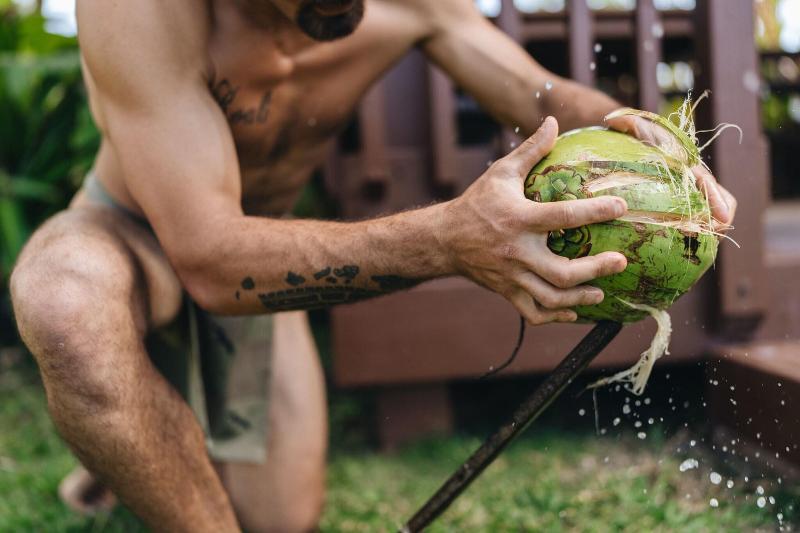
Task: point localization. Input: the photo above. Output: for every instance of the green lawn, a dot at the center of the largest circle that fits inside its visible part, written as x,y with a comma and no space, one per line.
553,481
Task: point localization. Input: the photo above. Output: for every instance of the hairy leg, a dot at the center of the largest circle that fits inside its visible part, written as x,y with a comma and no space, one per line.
286,493
84,290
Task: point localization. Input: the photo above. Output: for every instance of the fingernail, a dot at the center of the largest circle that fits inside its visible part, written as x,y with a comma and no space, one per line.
597,296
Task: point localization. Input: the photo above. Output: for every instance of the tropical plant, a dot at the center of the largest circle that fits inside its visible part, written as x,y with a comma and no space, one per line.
47,138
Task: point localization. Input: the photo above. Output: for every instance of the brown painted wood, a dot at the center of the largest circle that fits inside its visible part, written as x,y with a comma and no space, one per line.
372,122
728,66
754,390
580,36
510,21
452,329
443,128
649,32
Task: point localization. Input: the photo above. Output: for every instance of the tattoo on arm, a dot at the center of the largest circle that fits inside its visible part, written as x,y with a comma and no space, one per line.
337,288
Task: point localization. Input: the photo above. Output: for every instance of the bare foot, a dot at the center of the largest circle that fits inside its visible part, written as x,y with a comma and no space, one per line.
82,493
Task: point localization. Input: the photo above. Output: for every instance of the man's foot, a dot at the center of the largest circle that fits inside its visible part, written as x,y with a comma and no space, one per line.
82,493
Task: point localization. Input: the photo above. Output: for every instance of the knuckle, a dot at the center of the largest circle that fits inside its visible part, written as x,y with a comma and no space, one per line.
550,300
561,279
509,252
568,214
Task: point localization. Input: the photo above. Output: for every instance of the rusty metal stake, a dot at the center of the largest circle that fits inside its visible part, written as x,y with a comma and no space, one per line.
569,368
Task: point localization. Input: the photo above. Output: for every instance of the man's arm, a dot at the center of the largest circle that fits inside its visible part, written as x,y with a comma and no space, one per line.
179,162
500,74
505,80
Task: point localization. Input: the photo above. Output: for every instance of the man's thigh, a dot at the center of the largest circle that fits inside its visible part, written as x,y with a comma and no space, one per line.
285,492
105,250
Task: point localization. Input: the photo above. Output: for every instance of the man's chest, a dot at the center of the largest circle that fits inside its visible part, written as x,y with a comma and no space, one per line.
284,101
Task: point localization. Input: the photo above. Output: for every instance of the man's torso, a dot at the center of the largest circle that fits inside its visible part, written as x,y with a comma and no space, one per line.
285,96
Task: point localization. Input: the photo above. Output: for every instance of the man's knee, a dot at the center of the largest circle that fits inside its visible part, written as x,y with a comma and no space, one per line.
297,516
66,299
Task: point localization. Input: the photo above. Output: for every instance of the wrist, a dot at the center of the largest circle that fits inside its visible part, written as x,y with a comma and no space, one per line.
442,225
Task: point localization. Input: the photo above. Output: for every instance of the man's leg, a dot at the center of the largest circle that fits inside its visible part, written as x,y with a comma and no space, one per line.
286,493
84,290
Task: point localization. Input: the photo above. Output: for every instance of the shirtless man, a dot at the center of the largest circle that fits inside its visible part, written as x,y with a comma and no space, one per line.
214,114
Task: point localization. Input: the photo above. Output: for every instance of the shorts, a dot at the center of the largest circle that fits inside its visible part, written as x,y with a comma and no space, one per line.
220,365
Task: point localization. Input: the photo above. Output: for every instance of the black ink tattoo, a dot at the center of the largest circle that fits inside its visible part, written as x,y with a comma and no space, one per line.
331,279
347,271
237,295
225,92
322,273
314,297
394,283
294,279
248,284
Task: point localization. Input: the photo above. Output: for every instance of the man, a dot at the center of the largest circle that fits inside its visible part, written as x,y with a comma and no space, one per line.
214,114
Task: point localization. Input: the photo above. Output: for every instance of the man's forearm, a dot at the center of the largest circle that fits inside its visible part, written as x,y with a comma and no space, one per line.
267,265
575,105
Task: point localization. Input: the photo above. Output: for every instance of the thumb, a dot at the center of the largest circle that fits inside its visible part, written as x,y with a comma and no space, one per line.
534,148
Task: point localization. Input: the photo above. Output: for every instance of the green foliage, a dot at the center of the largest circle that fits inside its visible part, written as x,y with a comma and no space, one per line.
47,138
547,481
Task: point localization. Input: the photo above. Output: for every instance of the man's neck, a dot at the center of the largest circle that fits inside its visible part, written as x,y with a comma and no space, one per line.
263,14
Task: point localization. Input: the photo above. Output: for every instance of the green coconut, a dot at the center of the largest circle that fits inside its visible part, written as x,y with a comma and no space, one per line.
666,235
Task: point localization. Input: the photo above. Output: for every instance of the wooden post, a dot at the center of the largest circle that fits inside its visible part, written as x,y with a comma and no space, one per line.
580,34
649,31
443,128
729,68
375,174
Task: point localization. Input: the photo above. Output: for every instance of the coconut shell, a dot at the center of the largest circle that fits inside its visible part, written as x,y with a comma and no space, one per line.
662,234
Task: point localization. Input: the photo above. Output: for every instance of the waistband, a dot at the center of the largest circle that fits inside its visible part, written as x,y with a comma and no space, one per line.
97,193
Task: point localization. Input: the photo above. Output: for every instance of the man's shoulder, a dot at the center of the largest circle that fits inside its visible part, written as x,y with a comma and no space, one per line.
177,27
434,16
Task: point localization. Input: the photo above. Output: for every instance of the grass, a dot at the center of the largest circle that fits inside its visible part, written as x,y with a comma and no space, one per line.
551,481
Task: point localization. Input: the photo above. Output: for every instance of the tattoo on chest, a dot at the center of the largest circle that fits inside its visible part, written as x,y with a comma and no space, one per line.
337,287
225,93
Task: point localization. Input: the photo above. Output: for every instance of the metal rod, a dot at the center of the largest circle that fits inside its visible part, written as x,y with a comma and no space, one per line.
569,368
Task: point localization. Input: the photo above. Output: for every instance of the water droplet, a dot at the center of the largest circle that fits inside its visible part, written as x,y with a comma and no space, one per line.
657,30
729,484
688,464
715,478
752,83
581,412
612,59
759,490
616,421
713,502
637,424
548,85
642,435
650,421
538,94
598,48
761,501
647,401
592,65
771,500
516,130
626,409
692,442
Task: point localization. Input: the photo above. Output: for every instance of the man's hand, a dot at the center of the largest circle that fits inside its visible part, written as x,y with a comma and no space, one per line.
498,238
723,204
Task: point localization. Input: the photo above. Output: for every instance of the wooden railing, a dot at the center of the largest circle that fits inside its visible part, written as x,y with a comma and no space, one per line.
451,329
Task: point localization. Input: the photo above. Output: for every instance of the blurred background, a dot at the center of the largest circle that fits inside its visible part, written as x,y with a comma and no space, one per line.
713,443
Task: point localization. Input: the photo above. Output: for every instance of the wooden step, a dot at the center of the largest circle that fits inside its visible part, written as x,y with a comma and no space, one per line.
754,392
